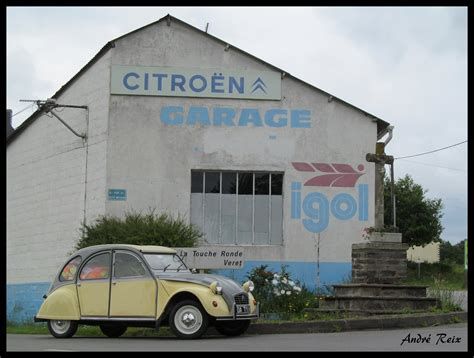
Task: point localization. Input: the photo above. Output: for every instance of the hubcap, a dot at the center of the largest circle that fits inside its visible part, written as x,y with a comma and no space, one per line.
60,327
188,319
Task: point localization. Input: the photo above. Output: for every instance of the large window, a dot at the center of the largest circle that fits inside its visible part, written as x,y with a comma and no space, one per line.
242,208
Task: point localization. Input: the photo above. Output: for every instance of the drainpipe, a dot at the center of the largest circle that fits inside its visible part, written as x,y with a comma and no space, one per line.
390,135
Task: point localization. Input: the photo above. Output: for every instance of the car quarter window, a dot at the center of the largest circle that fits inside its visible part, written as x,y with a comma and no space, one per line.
69,271
97,267
127,265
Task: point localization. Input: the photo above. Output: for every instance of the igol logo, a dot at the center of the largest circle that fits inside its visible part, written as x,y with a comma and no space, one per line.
340,175
317,207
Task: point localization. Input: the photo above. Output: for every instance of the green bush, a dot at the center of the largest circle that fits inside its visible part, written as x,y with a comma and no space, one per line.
140,229
278,292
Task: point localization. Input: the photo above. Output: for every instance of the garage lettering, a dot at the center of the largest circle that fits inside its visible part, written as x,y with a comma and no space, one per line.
235,117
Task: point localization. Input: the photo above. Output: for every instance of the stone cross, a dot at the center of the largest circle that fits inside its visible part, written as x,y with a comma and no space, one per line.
380,159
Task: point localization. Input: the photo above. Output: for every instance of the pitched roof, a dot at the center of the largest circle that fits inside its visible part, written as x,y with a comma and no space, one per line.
381,124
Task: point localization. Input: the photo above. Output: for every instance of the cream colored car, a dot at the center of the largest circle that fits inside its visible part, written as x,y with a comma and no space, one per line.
120,286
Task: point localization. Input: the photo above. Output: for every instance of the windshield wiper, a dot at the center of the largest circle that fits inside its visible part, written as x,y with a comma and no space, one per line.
182,264
166,267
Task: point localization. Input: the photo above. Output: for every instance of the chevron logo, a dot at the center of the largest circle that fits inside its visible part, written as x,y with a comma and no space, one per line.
259,84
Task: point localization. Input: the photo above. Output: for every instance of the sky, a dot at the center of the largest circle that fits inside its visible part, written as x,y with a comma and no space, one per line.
405,65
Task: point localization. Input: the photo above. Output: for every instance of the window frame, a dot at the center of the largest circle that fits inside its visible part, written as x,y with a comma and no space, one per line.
77,270
89,258
269,195
140,260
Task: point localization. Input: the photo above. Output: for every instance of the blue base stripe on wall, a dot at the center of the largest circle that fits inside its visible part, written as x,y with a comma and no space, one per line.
24,301
306,272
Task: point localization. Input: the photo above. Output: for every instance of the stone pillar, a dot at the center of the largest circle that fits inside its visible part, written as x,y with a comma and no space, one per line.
380,159
381,260
379,196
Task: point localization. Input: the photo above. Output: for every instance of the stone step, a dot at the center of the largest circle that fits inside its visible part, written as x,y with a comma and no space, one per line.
378,303
379,290
315,312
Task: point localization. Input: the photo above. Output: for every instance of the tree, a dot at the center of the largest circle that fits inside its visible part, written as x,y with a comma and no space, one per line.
417,217
452,253
140,229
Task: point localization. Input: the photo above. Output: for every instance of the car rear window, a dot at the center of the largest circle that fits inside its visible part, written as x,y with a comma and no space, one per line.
69,271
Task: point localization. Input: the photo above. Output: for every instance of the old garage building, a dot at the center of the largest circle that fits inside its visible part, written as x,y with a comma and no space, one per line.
172,118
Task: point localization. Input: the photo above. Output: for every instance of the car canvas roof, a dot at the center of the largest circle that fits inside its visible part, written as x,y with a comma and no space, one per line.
141,248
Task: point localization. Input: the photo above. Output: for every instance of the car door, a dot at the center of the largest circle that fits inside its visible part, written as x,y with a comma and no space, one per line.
93,285
133,289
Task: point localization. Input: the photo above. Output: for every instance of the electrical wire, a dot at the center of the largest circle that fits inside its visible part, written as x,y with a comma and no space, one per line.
432,165
24,109
432,151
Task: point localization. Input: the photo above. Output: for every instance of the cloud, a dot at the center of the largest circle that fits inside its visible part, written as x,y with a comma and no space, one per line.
24,82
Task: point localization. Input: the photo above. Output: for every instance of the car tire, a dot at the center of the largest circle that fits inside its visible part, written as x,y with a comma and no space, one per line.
232,328
62,328
113,331
188,320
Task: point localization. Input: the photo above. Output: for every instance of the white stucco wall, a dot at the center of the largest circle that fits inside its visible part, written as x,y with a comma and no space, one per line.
153,161
46,179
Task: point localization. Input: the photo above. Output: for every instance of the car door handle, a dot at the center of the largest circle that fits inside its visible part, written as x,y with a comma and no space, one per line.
78,285
114,283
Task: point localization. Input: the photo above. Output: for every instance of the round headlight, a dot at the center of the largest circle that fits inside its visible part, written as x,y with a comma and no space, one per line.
216,288
248,286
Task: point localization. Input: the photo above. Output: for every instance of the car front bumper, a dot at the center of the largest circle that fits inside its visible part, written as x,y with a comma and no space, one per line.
239,316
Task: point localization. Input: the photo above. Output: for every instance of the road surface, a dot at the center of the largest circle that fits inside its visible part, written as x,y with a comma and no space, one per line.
441,338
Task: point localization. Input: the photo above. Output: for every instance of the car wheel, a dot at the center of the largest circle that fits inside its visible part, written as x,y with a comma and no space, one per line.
188,320
232,328
113,331
62,328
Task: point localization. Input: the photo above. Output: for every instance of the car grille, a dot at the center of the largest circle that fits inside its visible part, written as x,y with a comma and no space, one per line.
241,299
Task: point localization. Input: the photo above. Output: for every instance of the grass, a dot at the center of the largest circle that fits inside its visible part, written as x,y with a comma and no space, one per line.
443,276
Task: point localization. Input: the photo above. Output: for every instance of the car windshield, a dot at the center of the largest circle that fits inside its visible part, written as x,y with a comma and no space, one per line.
165,262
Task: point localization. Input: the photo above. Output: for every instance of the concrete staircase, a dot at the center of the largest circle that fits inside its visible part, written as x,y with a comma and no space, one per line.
377,299
378,270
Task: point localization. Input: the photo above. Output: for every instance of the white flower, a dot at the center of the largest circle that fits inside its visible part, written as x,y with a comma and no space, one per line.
276,275
288,293
296,288
276,292
291,283
282,292
284,280
274,282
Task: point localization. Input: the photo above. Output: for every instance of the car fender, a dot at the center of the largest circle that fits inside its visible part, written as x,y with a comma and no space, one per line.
206,297
62,303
